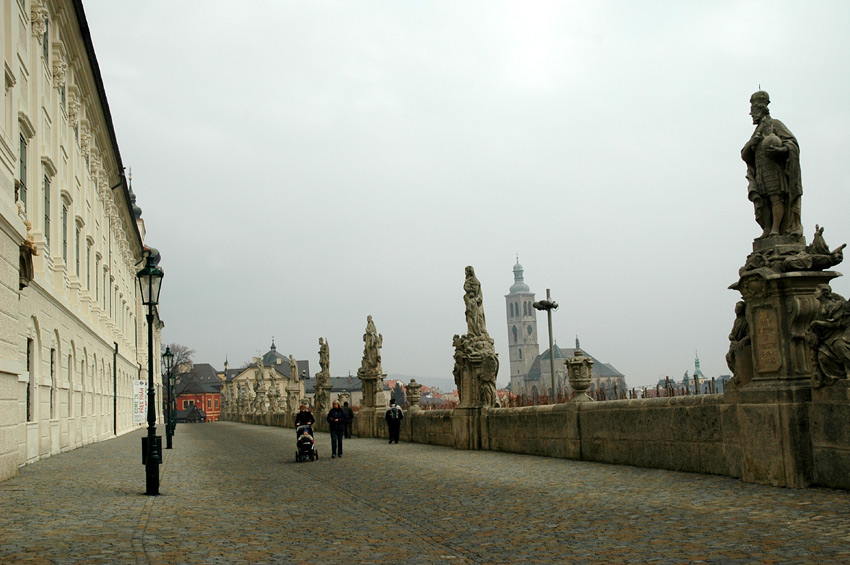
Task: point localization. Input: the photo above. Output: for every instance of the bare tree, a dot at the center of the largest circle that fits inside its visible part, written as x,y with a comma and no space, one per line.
182,357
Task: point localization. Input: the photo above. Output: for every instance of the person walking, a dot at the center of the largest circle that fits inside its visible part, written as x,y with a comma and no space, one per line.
349,419
393,416
336,422
304,418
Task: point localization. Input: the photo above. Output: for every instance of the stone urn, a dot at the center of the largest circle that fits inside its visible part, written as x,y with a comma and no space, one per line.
579,370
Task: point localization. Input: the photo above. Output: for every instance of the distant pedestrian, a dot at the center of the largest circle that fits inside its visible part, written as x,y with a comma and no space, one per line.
336,422
393,416
349,419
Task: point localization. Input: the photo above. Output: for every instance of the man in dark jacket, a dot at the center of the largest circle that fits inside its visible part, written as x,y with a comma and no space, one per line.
336,422
349,419
393,416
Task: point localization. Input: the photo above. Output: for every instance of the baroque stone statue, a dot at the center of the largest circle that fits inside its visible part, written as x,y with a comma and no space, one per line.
370,372
775,187
324,356
473,300
372,343
476,362
323,378
829,337
293,369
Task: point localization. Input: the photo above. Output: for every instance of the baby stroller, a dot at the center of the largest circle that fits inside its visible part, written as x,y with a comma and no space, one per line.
305,444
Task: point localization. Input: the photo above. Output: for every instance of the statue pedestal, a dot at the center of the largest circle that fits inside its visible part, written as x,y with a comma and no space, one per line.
373,388
366,424
466,427
773,407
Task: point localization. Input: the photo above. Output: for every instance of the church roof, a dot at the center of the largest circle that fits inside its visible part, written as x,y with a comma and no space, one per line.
600,369
272,357
188,383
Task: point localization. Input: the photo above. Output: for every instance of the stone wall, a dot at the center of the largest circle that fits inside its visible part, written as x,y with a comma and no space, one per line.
829,428
698,434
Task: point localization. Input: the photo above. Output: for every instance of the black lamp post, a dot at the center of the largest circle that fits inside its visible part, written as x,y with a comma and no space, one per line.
548,305
150,282
168,357
173,414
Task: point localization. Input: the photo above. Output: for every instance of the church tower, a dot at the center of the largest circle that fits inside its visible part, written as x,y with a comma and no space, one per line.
522,326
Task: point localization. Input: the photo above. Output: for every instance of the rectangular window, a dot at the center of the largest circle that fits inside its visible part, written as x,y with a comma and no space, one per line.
77,250
47,210
65,232
209,403
45,42
52,384
29,379
22,193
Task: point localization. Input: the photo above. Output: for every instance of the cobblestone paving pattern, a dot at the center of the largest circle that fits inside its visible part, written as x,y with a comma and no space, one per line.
232,493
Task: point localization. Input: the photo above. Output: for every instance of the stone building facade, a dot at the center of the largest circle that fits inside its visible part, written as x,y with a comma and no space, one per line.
74,333
530,370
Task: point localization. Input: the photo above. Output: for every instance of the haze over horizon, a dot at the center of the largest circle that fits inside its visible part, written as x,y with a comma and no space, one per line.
303,165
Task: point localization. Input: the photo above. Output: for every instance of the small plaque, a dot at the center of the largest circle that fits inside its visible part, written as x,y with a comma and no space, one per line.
766,338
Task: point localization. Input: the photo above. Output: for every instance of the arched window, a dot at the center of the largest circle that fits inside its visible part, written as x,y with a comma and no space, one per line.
516,333
520,353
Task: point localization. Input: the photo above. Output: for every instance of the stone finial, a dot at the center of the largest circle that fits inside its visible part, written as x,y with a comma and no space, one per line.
579,369
414,394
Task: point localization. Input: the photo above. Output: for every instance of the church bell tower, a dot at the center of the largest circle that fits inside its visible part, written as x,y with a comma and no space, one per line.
522,326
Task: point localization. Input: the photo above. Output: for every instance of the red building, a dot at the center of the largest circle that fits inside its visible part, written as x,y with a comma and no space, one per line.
199,388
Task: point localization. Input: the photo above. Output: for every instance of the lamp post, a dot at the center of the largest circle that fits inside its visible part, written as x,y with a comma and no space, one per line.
150,282
168,357
549,305
172,394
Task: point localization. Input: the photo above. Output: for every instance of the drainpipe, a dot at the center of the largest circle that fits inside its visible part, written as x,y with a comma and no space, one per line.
115,389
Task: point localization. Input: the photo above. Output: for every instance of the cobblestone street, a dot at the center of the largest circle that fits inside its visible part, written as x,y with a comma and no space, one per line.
233,493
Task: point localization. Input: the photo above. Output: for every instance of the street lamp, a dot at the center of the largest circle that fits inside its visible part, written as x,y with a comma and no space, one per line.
150,282
168,357
549,305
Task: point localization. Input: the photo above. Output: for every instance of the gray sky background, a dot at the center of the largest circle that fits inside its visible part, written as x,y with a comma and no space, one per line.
303,164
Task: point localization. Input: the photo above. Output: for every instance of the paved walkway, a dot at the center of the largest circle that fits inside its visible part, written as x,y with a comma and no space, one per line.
233,493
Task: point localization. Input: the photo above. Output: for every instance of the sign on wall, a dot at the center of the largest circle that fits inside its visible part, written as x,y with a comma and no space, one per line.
140,401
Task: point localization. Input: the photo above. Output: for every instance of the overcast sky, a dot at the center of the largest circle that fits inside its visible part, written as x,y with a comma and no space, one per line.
301,165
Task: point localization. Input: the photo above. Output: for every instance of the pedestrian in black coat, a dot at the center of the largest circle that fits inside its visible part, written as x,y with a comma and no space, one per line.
393,415
349,419
336,422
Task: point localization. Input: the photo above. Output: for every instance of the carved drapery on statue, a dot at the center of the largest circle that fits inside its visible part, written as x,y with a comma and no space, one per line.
829,337
370,372
476,362
739,356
